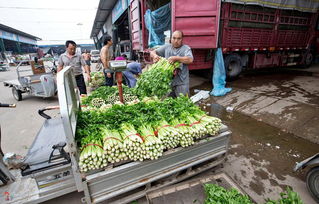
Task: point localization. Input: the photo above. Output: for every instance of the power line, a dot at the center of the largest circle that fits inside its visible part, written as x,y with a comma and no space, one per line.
61,9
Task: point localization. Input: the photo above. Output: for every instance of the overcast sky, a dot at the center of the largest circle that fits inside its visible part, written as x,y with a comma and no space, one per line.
52,21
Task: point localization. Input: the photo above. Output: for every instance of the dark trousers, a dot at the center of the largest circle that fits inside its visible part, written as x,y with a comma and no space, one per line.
81,83
108,81
180,89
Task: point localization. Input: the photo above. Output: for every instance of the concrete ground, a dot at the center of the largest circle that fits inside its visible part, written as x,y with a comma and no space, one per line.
273,115
290,103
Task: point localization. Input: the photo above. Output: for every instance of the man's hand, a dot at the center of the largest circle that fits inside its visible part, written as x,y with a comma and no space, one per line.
156,58
173,59
88,77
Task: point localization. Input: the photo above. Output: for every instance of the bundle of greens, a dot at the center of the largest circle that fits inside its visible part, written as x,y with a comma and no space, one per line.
113,145
218,194
133,143
109,95
288,197
157,80
168,135
185,133
152,145
97,79
92,155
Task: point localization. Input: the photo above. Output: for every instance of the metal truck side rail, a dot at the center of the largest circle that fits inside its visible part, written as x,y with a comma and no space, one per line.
69,107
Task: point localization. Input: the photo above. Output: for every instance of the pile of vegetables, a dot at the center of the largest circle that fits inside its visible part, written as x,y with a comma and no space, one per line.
108,95
217,194
97,79
157,80
288,197
141,128
140,131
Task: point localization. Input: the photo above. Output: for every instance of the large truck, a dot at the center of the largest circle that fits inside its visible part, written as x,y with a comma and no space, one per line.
251,34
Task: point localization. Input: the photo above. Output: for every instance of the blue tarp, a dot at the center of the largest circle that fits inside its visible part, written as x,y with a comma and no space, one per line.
219,76
157,22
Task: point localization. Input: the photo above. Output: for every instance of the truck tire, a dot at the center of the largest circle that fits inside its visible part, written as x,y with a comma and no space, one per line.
17,94
233,66
308,60
313,182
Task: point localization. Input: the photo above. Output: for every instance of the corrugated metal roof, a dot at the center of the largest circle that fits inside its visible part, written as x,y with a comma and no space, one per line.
103,11
12,30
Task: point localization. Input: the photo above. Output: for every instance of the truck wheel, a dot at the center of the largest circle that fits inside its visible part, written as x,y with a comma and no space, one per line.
233,66
17,94
308,60
313,182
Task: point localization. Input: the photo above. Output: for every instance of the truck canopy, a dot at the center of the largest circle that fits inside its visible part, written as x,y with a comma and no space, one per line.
300,5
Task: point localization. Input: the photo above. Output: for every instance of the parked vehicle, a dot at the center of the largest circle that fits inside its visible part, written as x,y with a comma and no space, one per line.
95,56
40,83
251,36
312,179
4,66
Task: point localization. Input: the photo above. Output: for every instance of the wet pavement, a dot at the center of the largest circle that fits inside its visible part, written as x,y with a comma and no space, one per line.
273,117
286,98
261,157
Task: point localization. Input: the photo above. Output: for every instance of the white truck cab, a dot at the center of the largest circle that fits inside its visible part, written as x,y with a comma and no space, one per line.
95,55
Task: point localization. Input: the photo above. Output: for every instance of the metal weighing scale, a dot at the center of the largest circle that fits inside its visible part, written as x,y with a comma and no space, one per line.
118,66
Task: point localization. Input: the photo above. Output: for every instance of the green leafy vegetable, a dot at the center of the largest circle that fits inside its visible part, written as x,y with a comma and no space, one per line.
157,80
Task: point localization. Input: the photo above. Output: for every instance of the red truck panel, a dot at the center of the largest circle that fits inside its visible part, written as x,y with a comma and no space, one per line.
279,32
201,60
238,38
139,33
135,24
198,20
292,39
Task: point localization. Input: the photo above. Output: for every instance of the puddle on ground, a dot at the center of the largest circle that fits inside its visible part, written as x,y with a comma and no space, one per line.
261,157
259,140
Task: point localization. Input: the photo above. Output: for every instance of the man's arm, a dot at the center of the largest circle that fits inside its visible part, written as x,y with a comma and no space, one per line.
184,60
59,68
88,72
60,64
86,68
159,52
